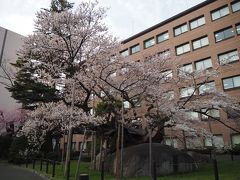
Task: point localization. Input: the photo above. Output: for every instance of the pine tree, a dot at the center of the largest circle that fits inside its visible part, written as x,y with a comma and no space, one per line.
60,5
28,91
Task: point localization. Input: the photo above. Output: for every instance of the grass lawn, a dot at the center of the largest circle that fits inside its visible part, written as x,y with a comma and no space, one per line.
228,170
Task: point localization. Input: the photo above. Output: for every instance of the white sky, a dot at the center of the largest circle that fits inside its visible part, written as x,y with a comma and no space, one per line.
124,18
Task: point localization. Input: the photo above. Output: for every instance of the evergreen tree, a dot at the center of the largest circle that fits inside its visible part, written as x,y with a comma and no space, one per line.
28,91
60,5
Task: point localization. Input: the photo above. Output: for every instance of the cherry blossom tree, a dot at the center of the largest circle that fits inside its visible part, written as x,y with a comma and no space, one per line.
12,118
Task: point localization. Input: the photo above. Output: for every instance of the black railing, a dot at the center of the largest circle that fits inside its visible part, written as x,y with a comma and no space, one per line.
42,162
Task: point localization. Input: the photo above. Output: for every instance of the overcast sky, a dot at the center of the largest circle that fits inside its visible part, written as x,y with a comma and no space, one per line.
124,17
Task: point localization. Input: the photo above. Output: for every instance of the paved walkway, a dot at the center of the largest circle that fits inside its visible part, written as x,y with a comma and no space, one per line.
8,172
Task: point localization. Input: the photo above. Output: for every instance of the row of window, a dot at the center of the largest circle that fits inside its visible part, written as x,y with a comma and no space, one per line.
228,83
201,42
209,87
197,142
197,22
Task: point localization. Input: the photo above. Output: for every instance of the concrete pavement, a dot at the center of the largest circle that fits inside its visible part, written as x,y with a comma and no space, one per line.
8,172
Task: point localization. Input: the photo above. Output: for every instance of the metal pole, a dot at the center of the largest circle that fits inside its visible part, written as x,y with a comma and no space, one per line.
80,155
154,171
102,170
53,170
215,169
122,140
150,151
117,152
94,151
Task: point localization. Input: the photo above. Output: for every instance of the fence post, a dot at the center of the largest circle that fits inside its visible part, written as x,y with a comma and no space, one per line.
102,170
27,162
47,166
154,171
53,168
33,165
215,169
231,155
175,164
41,164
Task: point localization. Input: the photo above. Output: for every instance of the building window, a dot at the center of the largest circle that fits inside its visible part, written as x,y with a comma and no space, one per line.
134,49
126,104
183,49
186,92
167,75
203,64
207,88
210,112
219,13
185,69
150,42
238,28
180,29
73,146
218,141
208,142
199,43
124,53
224,34
113,75
92,111
137,103
124,70
193,142
197,22
232,82
235,139
168,95
171,142
113,58
165,54
162,37
228,57
236,6
192,115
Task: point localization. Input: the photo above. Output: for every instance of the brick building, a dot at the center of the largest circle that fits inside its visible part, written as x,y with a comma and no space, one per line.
204,36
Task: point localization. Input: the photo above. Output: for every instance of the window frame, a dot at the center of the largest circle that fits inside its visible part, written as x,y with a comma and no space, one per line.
234,134
202,60
180,27
188,88
219,9
222,31
181,70
148,40
200,40
162,34
208,110
228,52
181,45
232,88
134,46
196,20
166,54
207,84
236,25
233,3
123,51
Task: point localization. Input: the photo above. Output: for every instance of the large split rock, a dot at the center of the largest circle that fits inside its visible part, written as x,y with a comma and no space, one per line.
136,160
